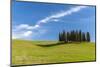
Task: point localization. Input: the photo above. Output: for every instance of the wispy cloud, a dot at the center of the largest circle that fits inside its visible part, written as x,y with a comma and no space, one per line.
55,17
26,26
28,30
62,14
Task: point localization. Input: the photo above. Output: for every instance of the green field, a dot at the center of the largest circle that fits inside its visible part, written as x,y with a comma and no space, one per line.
31,52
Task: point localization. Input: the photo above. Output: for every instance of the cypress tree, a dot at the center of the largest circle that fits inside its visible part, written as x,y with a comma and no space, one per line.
80,36
59,36
72,36
76,36
88,37
64,36
68,37
83,37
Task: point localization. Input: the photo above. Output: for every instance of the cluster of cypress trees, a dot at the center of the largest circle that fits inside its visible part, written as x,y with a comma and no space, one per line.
74,36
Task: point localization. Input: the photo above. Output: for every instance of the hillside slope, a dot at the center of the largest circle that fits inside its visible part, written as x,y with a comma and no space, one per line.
28,52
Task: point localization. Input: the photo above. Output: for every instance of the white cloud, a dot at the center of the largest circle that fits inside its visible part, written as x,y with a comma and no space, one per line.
22,35
26,26
27,33
14,37
36,26
21,31
21,26
56,20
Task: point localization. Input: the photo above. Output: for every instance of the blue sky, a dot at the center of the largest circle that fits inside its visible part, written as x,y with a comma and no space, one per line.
41,21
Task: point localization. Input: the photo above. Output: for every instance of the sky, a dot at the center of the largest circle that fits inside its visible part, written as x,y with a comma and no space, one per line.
43,21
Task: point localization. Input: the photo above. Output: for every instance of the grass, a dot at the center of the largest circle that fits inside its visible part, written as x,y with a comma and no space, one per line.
31,52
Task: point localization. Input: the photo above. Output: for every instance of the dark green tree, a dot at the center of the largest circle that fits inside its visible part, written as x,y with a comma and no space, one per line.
76,35
80,36
68,37
59,36
71,36
64,36
83,37
88,36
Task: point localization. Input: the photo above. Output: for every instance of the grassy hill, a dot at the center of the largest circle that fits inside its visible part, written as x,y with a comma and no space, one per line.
31,52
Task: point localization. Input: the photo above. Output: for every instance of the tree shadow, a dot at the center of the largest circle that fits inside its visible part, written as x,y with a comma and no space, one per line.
49,45
56,44
15,66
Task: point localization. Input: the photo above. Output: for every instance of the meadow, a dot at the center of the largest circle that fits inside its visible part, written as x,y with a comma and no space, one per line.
44,52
